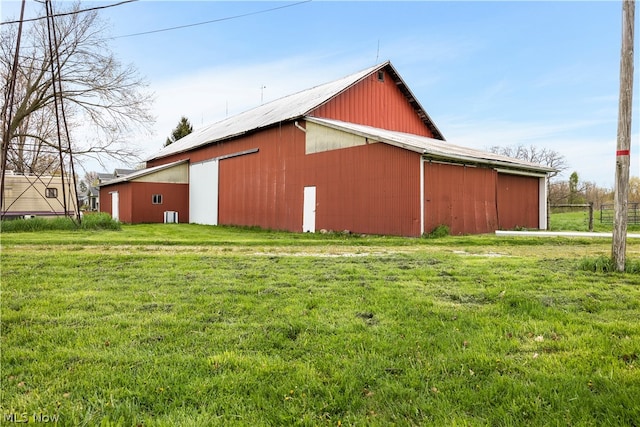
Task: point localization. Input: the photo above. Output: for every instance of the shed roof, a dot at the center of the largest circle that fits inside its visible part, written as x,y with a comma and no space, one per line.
104,176
287,108
118,172
141,173
432,148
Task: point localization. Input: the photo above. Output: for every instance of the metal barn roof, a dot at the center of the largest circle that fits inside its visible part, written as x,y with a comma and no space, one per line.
287,108
433,148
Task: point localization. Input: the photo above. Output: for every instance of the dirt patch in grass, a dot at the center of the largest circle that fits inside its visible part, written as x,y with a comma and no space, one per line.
484,254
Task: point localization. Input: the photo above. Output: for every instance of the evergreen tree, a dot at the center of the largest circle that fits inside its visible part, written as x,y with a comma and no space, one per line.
573,188
183,129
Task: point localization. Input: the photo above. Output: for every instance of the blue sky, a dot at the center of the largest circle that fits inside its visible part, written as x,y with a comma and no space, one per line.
488,73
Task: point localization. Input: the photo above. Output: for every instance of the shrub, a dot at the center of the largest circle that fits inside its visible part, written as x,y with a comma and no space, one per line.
601,264
97,221
440,231
605,264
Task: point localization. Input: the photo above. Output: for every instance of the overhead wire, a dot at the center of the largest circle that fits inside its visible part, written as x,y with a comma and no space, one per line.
74,12
178,27
228,18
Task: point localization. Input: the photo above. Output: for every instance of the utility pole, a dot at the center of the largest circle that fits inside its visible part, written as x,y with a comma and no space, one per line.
7,112
619,246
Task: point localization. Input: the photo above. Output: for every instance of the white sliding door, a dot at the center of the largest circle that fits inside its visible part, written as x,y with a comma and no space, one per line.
203,192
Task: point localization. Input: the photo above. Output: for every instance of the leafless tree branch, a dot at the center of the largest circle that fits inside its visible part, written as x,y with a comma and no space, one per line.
99,92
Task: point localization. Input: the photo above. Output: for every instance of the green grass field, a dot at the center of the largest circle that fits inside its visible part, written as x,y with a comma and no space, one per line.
578,220
186,325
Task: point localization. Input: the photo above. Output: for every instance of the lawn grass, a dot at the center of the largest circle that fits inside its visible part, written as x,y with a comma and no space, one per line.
185,325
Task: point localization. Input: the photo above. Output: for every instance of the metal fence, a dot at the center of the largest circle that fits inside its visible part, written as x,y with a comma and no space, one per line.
607,213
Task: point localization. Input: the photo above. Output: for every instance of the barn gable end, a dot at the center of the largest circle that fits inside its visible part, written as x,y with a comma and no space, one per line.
377,101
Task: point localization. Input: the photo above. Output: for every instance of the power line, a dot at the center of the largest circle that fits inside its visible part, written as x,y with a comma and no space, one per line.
212,21
75,12
227,18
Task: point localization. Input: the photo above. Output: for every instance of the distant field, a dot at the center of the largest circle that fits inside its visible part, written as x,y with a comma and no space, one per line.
187,325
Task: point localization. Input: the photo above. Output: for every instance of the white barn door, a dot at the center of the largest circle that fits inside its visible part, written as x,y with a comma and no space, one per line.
115,206
309,210
203,192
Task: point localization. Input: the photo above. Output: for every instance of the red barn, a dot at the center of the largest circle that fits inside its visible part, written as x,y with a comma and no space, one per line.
359,153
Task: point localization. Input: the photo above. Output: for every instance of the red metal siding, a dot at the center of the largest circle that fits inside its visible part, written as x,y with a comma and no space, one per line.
136,204
175,197
264,188
463,198
367,189
124,198
374,103
518,201
260,188
105,200
371,189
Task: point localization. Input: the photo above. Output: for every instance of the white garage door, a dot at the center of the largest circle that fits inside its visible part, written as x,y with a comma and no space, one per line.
203,193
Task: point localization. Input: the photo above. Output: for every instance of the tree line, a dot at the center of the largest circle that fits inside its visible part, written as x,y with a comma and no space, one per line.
574,191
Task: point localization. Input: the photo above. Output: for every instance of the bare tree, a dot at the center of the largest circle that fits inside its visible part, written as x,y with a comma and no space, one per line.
560,192
91,178
634,189
596,195
107,98
533,154
31,149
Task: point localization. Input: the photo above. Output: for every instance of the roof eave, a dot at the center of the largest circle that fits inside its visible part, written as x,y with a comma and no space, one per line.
477,160
435,154
438,156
